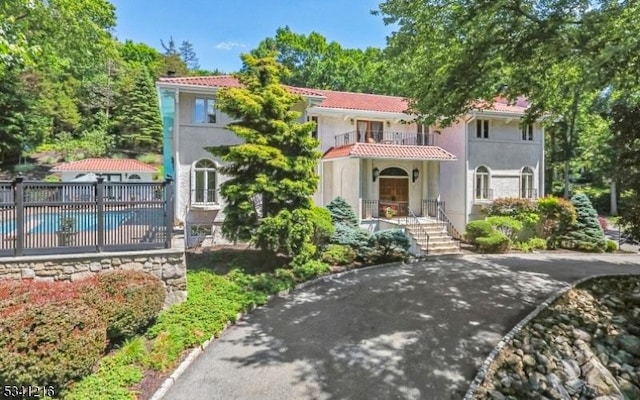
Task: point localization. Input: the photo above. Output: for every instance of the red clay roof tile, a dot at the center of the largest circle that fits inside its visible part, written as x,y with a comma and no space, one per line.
105,164
393,151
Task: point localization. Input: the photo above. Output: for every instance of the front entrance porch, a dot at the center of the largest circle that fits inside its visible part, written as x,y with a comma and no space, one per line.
428,210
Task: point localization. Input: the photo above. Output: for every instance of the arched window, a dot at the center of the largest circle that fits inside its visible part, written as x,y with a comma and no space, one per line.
482,191
203,182
526,184
393,171
134,177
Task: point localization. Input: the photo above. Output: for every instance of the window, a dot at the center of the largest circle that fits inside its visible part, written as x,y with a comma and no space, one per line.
314,134
203,186
527,132
482,191
482,129
526,184
134,177
204,111
370,131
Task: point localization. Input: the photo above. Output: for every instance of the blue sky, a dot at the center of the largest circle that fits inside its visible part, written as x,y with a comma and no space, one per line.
221,30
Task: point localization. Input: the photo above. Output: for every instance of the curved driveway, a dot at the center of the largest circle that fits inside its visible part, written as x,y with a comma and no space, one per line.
416,331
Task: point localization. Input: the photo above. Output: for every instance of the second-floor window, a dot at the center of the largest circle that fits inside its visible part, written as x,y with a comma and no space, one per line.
527,132
482,129
204,111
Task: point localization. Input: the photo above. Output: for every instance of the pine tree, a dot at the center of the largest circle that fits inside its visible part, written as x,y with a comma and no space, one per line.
138,118
272,175
586,234
188,55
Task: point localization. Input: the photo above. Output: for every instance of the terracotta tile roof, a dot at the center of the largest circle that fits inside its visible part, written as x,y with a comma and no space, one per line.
222,81
105,164
362,101
342,100
394,151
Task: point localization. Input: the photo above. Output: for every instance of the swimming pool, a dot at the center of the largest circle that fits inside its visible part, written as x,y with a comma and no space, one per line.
49,223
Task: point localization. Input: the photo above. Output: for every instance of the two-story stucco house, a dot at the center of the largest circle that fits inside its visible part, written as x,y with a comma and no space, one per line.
375,156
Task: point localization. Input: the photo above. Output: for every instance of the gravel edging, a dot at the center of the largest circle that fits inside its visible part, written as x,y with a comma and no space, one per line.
193,355
484,368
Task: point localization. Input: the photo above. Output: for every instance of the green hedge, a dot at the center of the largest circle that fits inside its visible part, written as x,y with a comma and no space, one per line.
477,229
337,254
128,300
497,242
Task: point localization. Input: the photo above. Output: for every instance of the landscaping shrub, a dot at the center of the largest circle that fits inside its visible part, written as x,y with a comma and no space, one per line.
342,213
612,246
323,228
128,300
387,245
310,270
476,229
557,215
355,238
537,243
585,233
600,197
523,210
507,225
496,242
337,254
289,233
50,343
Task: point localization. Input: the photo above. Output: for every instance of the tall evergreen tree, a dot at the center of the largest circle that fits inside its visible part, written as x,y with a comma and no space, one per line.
188,55
272,174
138,117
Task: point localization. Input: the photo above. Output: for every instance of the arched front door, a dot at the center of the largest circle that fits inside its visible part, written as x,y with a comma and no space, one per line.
394,190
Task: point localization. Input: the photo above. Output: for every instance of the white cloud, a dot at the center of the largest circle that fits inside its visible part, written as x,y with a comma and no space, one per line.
230,45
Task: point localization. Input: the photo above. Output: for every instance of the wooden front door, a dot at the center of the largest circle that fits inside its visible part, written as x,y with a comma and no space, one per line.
394,192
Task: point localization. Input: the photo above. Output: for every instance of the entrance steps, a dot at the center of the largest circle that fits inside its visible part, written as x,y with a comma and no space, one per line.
432,238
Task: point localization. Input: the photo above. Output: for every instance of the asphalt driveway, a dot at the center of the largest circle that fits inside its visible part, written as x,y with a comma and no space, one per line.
416,331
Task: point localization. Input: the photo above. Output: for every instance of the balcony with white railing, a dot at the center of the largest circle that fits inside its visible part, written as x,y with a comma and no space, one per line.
401,138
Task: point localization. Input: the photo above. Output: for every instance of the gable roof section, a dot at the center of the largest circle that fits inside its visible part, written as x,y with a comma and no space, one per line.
105,164
389,151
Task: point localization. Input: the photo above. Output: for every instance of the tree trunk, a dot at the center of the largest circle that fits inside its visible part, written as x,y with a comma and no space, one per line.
614,198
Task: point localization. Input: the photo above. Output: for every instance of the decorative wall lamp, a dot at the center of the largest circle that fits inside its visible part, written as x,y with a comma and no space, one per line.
376,174
415,174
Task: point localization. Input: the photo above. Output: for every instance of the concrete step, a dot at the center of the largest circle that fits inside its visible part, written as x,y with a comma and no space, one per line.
433,240
452,251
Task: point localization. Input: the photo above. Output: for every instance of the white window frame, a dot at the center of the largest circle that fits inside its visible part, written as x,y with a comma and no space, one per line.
208,101
527,182
206,190
482,193
483,127
527,132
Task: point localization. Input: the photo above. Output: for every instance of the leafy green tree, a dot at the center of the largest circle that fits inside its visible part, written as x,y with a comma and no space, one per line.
558,54
625,120
272,174
315,62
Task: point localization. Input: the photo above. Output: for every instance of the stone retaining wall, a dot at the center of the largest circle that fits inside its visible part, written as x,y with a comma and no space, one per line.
168,265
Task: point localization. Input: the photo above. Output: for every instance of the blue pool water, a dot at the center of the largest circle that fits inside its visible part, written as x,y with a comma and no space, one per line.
49,223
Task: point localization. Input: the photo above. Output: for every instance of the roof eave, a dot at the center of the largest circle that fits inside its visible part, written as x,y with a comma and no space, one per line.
347,112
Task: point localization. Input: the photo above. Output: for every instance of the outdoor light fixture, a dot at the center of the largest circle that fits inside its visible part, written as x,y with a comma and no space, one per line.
376,174
415,174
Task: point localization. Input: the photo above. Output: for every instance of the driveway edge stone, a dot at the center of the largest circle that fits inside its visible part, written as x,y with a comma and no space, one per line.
484,368
193,355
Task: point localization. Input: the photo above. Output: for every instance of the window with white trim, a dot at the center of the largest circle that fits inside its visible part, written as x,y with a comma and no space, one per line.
204,111
482,129
203,182
482,191
526,184
527,132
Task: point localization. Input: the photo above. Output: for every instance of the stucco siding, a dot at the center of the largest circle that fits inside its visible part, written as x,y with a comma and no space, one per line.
452,176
